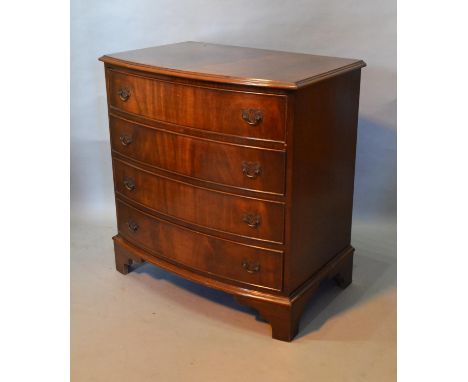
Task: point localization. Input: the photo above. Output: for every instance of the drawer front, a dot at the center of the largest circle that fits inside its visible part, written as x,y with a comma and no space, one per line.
259,116
259,219
233,165
202,252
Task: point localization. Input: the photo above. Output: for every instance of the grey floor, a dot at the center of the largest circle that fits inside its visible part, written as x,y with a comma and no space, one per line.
151,325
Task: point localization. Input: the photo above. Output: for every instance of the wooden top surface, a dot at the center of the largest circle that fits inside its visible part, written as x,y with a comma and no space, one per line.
234,65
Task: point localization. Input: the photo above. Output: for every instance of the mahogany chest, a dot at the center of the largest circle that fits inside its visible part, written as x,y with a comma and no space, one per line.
234,168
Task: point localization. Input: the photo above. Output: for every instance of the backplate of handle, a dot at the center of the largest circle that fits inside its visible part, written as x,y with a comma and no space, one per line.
124,94
250,268
129,184
133,226
251,169
252,220
252,116
125,139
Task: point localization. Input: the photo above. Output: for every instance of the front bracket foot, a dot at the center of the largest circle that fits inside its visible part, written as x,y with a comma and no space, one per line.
124,260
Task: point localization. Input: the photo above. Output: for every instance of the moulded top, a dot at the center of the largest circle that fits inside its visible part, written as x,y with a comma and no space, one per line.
233,64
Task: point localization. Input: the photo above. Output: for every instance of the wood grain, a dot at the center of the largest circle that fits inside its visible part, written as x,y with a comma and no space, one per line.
233,64
205,207
199,158
200,252
198,107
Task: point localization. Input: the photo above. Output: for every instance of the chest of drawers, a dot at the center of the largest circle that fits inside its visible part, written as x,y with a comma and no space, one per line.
234,167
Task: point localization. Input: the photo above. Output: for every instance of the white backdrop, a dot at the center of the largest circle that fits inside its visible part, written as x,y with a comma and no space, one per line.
364,29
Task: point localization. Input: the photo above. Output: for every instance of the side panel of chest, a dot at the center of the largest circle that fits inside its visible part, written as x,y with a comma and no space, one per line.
321,175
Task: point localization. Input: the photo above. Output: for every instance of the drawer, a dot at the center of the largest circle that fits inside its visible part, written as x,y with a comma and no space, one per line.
223,258
232,165
249,217
230,112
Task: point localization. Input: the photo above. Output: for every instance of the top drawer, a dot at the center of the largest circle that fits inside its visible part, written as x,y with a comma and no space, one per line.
260,116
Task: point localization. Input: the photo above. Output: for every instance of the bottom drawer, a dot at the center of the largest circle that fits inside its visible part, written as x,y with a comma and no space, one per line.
206,253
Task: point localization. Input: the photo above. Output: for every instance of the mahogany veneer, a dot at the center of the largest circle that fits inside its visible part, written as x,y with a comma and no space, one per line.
234,167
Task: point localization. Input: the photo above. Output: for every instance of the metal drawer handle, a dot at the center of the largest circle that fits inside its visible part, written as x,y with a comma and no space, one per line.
124,94
250,268
133,226
125,140
252,116
252,220
129,184
251,169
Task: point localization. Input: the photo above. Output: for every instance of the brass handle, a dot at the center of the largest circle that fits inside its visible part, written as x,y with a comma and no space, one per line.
250,268
251,170
252,116
133,226
125,140
124,94
129,184
252,220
